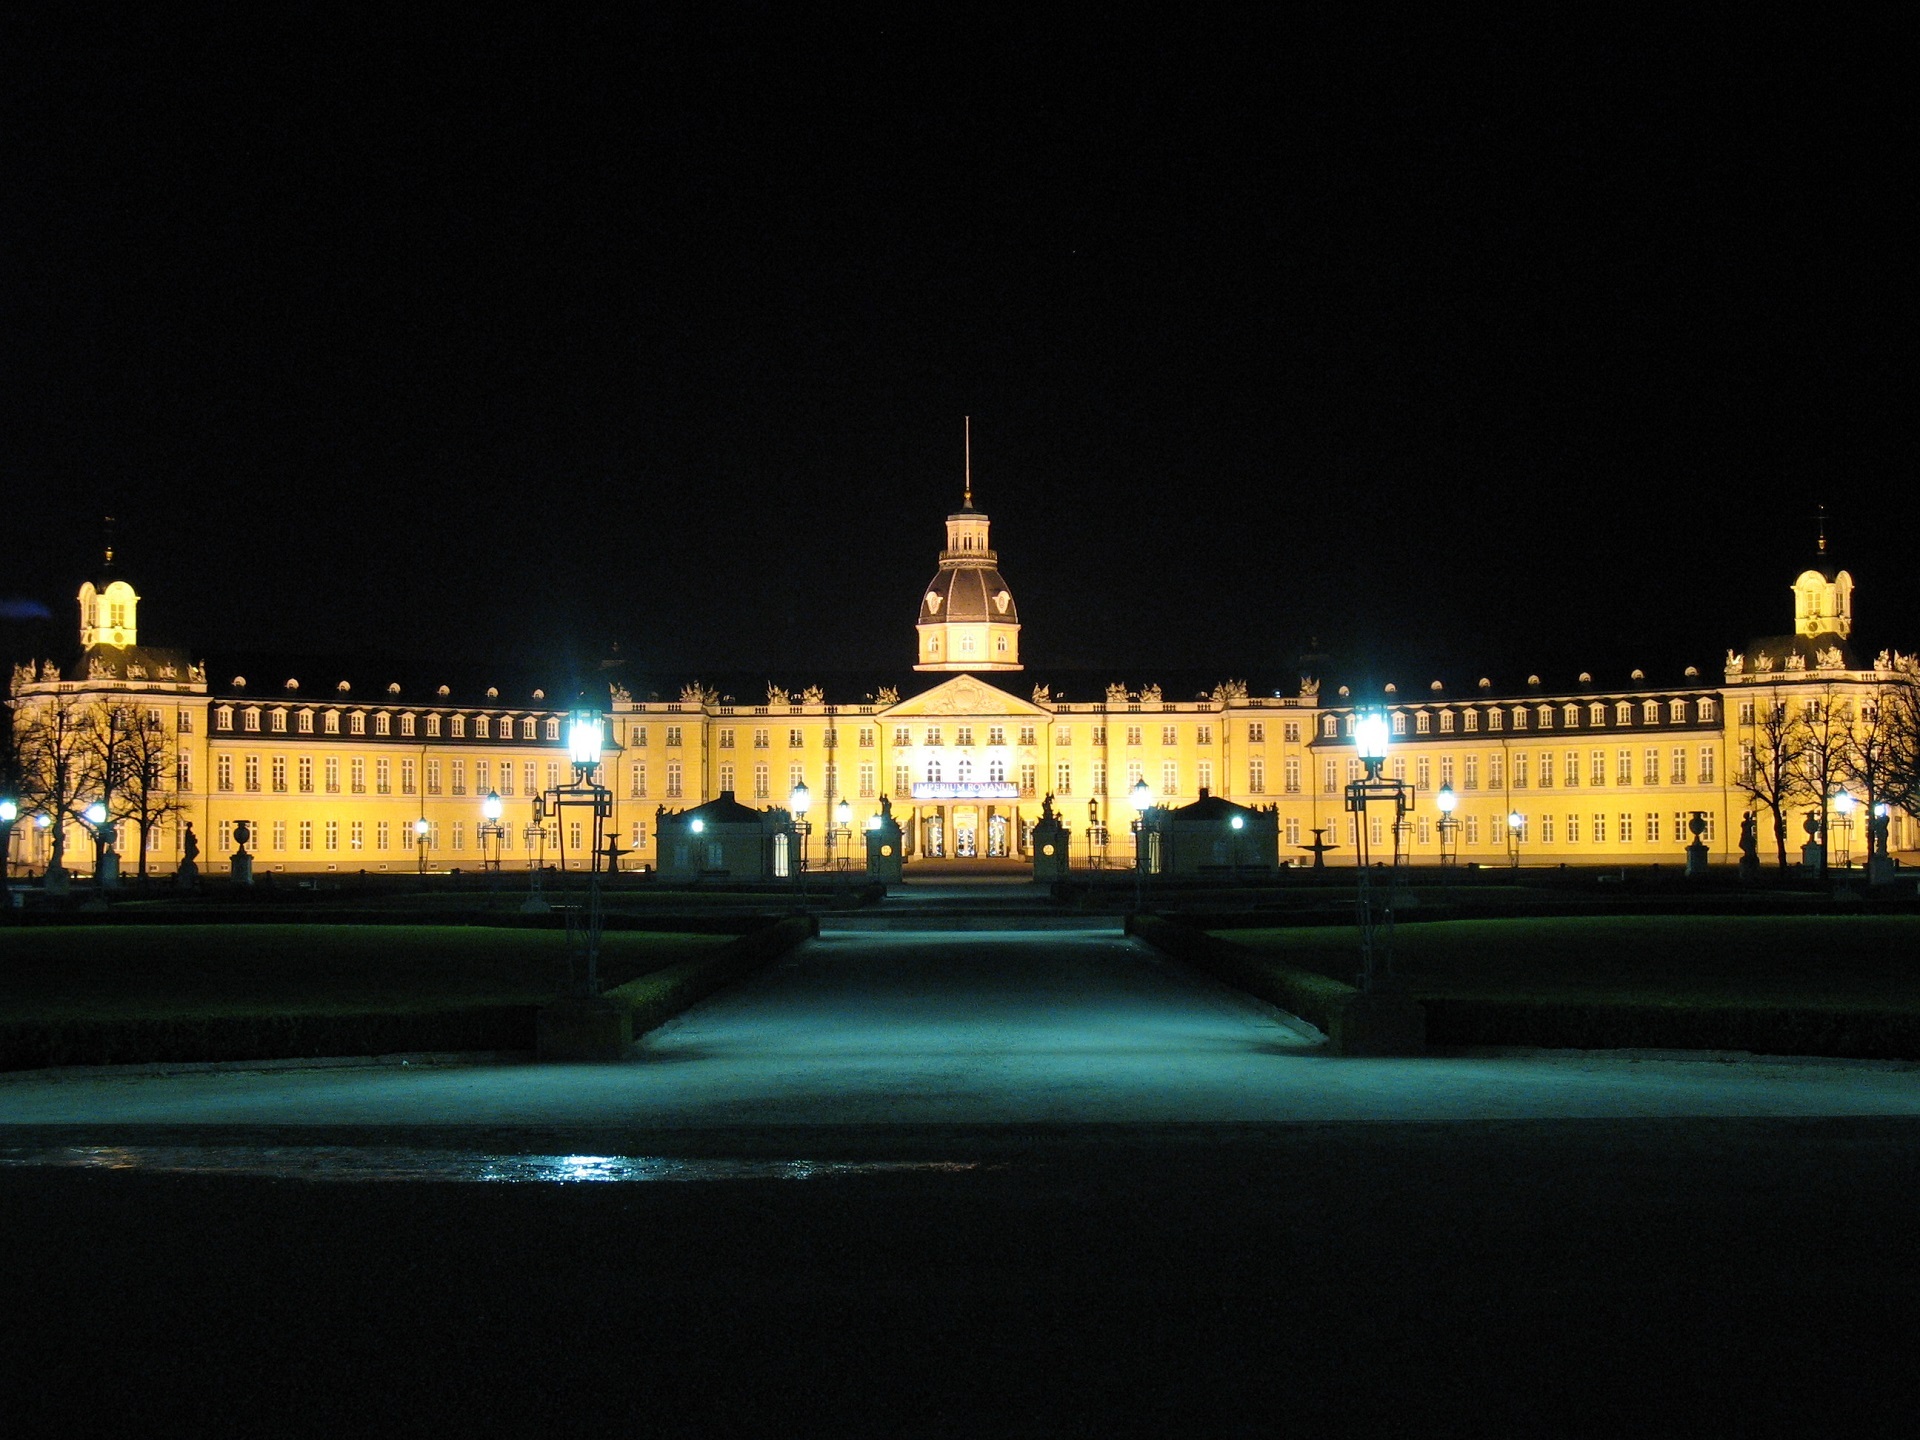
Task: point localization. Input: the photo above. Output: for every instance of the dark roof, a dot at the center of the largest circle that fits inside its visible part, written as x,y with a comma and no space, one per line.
1807,647
1209,809
967,594
724,811
367,680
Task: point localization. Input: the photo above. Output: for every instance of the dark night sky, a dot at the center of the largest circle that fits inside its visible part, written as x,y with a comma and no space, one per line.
1528,345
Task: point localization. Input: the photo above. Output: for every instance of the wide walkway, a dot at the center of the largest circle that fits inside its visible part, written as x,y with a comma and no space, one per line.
938,1026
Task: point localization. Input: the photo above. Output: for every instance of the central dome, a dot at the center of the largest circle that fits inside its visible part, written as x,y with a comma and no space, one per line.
968,620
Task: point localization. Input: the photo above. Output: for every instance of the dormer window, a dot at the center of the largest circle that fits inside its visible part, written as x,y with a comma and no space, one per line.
433,726
332,722
457,727
223,718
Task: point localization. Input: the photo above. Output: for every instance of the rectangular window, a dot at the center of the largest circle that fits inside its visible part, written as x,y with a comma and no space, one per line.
333,834
1099,735
1623,767
637,781
1494,720
332,764
1423,773
1099,777
673,737
1472,782
223,772
1446,770
279,834
1546,769
383,725
1027,780
796,775
406,728
1063,778
383,777
1135,773
1330,778
1473,829
459,777
1572,771
1470,720
1256,732
433,777
963,735
901,736
1203,775
1203,735
1596,767
330,722
1706,766
1170,777
1293,829
277,722
1573,829
902,780
186,722
382,835
1169,735
866,737
726,737
407,784
250,771
1293,775
1495,781
357,835
796,739
932,737
530,778
1653,825
1650,774
550,729
866,780
357,775
726,779
1133,734
1677,770
762,782
673,779
306,834
1026,735
1423,723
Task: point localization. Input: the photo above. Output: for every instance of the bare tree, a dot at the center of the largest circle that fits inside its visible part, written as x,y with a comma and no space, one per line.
139,760
55,750
1769,770
1826,727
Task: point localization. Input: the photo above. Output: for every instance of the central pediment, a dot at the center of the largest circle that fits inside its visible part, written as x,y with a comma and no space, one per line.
965,695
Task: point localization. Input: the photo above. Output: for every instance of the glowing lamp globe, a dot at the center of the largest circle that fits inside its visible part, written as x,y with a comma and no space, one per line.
586,737
490,807
1844,803
1239,822
1446,800
1370,738
801,799
420,826
843,812
697,825
96,814
9,812
1513,820
1141,797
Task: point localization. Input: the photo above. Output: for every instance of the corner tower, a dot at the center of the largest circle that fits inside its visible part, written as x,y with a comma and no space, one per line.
968,620
108,609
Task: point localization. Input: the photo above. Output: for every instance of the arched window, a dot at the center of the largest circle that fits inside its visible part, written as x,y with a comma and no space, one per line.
963,772
933,771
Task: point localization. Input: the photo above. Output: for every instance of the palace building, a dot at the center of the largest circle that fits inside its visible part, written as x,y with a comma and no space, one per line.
386,772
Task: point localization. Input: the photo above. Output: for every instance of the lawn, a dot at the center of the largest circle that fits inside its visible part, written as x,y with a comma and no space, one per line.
1792,960
59,973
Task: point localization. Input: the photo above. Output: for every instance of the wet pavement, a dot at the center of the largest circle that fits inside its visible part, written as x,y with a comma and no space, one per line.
913,1028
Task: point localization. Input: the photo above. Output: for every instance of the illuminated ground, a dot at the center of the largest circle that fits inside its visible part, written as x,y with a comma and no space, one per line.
943,1027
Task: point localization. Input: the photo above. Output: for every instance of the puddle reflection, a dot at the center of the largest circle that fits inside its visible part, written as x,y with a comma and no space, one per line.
363,1163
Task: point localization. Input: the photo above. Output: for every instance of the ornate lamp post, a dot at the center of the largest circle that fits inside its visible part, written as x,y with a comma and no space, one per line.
420,832
586,739
1449,827
9,812
1141,799
492,830
1370,733
842,826
1844,805
799,801
1516,822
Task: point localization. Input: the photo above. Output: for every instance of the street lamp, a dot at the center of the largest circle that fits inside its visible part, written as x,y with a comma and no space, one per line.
1515,823
799,801
9,812
586,739
1370,734
420,832
1141,799
842,823
1448,802
1845,804
492,829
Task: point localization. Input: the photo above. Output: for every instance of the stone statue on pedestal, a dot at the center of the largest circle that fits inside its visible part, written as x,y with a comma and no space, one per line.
1749,848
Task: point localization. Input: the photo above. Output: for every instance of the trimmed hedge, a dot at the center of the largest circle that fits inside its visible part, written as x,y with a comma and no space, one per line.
193,1039
656,998
1313,997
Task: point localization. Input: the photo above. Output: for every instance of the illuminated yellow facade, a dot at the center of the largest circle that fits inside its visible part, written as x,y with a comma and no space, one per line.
335,776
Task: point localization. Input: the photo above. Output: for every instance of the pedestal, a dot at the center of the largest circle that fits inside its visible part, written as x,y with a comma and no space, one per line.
57,881
187,877
1813,859
242,868
1881,870
106,875
1049,851
584,1029
1749,869
1696,861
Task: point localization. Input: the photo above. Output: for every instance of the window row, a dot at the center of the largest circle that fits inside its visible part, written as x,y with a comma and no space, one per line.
381,723
1539,717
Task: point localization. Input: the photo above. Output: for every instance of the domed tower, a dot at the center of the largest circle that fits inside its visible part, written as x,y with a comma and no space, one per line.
1823,595
968,620
108,608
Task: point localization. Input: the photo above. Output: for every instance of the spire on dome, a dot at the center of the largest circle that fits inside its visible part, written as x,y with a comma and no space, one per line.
967,500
